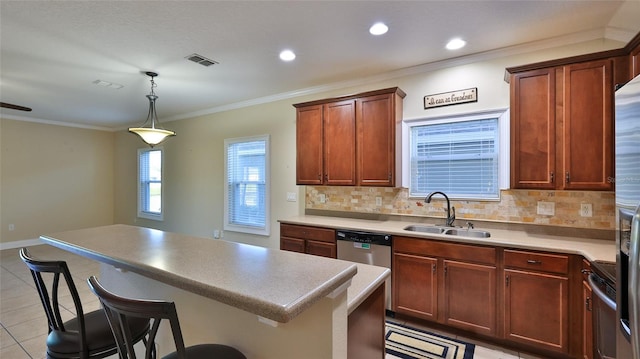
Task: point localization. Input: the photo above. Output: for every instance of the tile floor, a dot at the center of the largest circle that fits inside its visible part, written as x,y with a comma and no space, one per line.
24,325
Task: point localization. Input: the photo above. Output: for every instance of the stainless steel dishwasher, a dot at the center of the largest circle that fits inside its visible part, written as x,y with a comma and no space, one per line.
368,248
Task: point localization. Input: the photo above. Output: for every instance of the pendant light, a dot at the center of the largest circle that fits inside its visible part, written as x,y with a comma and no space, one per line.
153,134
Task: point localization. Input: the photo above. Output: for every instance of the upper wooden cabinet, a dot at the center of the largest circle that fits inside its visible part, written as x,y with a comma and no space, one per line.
562,127
349,140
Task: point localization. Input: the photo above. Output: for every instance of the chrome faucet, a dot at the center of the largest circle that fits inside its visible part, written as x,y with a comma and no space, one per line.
451,211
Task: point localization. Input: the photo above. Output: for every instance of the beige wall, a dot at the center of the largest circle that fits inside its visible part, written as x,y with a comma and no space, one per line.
54,178
65,183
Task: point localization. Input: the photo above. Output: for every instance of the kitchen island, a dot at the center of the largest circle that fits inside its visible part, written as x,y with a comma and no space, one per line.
267,303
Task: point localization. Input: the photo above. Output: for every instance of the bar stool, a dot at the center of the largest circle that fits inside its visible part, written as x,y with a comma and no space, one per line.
86,336
120,311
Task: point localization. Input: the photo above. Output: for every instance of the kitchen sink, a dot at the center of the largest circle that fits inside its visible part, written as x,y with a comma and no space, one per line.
472,233
426,229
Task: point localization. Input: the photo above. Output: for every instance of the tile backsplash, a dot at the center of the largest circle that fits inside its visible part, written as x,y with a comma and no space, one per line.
514,206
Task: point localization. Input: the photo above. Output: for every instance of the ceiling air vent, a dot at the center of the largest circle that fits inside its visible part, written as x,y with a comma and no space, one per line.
201,60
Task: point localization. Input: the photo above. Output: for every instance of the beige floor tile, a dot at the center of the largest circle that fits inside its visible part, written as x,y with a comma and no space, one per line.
13,317
14,352
486,353
22,301
36,347
29,329
6,340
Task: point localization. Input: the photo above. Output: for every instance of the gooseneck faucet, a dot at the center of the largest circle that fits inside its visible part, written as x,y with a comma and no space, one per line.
451,211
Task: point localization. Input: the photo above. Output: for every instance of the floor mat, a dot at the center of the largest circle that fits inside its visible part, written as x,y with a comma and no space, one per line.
409,343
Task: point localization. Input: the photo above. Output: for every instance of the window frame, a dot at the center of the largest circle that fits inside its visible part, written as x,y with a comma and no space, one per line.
142,212
503,116
228,225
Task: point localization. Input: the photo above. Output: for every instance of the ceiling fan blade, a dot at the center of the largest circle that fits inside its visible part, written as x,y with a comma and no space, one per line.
14,107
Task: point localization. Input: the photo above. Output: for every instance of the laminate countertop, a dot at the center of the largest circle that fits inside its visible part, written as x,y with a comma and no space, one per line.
274,284
592,249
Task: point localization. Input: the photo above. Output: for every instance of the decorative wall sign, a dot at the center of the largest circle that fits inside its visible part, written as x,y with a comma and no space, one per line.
451,98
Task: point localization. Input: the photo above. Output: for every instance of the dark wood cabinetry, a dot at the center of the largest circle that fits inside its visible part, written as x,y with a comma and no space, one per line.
536,297
325,144
310,240
454,284
587,313
562,127
349,140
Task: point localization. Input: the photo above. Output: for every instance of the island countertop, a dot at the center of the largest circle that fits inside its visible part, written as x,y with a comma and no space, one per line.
277,285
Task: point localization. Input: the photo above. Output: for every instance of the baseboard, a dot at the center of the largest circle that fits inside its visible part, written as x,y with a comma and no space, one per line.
20,244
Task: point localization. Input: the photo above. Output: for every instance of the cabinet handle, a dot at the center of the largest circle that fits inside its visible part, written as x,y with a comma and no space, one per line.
319,176
585,271
587,304
434,268
389,176
507,280
552,177
533,261
567,177
445,270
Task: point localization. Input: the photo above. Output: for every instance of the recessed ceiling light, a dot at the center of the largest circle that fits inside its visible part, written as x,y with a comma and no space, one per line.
378,28
287,55
455,44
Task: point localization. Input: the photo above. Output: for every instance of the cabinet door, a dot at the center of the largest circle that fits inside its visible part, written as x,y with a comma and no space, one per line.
536,309
587,322
375,123
470,297
309,163
415,285
292,244
635,61
588,126
533,129
322,249
340,143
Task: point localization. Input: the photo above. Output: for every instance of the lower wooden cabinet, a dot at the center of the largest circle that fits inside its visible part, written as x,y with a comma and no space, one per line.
445,282
536,308
470,296
310,240
525,298
587,313
415,285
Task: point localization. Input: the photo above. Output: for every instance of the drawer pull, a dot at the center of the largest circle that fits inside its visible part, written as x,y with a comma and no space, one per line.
533,261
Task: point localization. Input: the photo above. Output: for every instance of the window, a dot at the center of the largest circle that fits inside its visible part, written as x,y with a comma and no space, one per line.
247,188
458,156
150,183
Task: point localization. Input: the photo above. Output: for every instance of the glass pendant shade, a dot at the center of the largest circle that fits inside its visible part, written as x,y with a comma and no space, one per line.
151,132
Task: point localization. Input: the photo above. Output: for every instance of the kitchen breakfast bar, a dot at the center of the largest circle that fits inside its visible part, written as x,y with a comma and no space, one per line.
265,302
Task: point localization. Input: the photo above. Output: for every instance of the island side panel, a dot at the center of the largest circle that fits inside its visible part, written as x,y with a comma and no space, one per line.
319,332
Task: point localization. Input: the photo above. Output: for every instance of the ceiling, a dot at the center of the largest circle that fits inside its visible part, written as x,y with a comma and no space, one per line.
52,52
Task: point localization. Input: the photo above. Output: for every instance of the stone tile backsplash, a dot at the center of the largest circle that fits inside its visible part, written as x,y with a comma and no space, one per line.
514,206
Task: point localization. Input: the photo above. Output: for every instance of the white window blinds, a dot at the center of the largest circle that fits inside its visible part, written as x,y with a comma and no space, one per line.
458,158
150,183
247,185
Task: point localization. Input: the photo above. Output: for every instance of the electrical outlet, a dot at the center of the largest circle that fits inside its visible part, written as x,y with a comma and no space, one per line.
216,233
546,208
292,197
12,227
378,201
323,198
586,210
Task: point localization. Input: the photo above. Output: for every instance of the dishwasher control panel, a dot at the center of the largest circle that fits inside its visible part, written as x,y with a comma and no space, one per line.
363,237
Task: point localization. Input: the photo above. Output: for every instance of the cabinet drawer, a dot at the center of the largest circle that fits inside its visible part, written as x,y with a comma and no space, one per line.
471,253
554,263
304,232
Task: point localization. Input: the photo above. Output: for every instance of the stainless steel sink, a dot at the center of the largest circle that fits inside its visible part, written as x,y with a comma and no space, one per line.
426,229
471,233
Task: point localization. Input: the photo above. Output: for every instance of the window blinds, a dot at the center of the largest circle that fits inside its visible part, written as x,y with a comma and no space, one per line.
458,158
246,183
